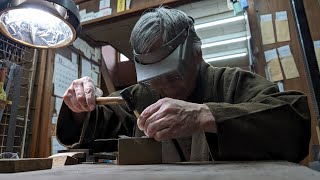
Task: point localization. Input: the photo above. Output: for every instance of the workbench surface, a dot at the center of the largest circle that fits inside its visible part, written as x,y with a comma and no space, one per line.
217,171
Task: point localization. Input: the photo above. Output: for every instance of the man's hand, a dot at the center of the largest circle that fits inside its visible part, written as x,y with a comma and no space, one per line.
81,96
170,118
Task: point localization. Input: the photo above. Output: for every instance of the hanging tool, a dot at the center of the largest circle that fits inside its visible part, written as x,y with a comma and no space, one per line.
126,98
3,94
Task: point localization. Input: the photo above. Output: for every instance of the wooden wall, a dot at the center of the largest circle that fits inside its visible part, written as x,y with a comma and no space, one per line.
93,5
42,101
312,8
261,7
122,74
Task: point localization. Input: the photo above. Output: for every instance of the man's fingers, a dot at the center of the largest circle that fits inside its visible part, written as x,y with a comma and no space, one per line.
69,98
70,105
153,118
157,126
80,97
76,107
162,135
150,110
90,94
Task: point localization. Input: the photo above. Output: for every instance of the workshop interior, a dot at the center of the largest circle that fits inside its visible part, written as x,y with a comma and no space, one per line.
46,44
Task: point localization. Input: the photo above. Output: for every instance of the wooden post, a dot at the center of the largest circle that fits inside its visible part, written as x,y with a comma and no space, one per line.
44,146
36,121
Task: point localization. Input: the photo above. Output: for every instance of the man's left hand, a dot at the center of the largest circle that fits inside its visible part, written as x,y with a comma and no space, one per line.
170,118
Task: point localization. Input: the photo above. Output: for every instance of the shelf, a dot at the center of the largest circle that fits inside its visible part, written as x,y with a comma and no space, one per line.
116,28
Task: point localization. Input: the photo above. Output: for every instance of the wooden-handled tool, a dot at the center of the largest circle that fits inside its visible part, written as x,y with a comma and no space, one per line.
128,98
109,100
3,94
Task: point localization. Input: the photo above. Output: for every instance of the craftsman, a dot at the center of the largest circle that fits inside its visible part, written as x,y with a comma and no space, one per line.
214,113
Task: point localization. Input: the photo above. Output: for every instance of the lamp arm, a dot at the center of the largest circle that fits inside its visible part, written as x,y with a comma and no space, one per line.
74,15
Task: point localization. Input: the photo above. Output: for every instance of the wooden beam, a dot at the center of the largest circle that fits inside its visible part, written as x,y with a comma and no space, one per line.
80,1
23,165
106,77
38,95
44,146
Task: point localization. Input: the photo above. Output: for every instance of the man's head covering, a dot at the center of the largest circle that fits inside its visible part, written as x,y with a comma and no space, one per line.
163,41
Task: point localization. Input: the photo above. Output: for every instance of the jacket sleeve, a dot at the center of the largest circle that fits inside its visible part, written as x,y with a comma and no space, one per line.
257,122
103,123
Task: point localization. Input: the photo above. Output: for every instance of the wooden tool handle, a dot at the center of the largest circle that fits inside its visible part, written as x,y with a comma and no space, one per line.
109,100
136,113
318,133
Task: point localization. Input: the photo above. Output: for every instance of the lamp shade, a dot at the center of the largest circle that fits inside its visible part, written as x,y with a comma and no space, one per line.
41,23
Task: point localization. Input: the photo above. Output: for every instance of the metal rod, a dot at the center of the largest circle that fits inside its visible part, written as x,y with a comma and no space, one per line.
18,57
18,126
251,59
34,64
9,43
309,55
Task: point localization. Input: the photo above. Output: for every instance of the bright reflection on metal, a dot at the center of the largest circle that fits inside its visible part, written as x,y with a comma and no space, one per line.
36,28
226,57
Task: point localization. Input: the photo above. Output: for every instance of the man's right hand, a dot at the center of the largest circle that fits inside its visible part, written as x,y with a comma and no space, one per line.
81,95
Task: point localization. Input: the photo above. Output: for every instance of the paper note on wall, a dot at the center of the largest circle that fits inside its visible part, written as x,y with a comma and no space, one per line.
288,63
58,104
282,26
317,50
267,31
104,4
95,72
128,3
121,5
85,68
95,78
64,73
273,68
280,86
74,58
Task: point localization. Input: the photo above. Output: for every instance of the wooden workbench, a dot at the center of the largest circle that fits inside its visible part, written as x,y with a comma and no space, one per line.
217,171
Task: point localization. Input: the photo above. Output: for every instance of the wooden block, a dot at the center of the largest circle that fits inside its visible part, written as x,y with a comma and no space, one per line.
68,158
22,165
84,153
87,155
64,160
77,155
139,151
105,145
109,156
